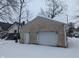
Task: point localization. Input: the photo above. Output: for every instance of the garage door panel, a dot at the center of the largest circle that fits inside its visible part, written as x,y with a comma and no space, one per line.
26,37
47,38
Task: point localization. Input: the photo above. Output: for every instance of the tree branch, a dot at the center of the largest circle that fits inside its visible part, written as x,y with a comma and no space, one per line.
3,7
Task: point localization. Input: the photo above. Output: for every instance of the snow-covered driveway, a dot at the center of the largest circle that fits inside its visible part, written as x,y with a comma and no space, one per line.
9,49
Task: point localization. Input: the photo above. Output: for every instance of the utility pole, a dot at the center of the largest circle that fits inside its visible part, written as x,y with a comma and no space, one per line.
67,19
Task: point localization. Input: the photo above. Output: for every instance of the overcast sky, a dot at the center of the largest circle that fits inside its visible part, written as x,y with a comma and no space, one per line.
72,9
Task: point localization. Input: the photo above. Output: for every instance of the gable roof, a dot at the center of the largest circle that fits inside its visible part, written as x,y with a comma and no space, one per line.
15,23
43,18
5,26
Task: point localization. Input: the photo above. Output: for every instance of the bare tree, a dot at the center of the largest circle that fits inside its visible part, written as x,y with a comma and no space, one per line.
54,8
42,12
10,8
7,7
28,15
24,10
21,9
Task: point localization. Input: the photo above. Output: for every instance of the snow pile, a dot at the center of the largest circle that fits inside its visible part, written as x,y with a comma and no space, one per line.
10,49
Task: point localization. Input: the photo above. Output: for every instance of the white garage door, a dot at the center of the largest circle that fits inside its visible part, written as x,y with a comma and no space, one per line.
47,38
26,37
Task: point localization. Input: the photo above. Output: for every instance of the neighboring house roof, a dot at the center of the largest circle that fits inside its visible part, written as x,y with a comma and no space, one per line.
45,19
15,23
4,26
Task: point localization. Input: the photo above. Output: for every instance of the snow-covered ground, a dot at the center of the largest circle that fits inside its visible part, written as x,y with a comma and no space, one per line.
10,49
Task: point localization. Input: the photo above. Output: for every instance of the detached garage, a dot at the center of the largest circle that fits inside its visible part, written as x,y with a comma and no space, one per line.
44,31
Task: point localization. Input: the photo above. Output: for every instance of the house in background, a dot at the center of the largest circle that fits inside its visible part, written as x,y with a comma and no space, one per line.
13,28
4,28
76,32
44,31
7,29
76,24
